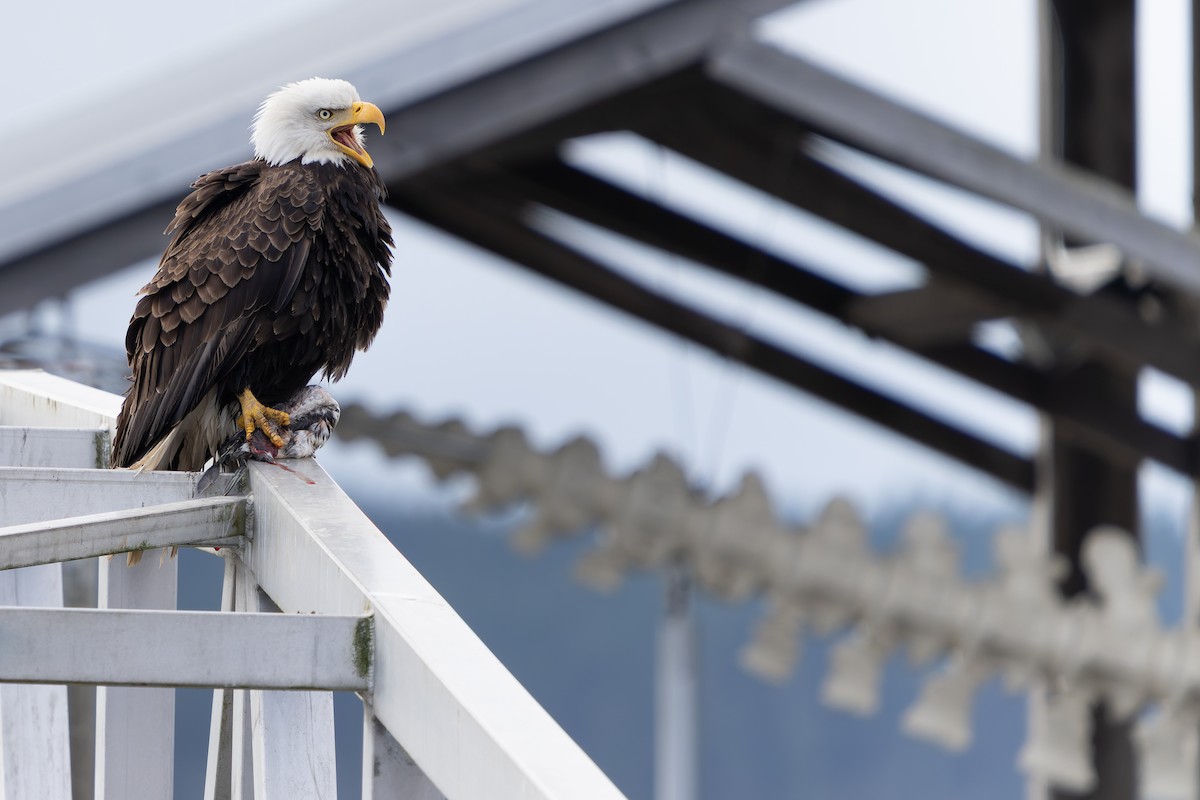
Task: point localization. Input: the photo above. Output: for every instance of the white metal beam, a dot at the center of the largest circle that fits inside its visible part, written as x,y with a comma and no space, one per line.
33,397
53,447
181,648
212,521
472,728
34,495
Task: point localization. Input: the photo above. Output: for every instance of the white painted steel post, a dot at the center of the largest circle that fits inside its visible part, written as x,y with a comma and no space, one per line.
294,753
242,763
218,774
292,735
676,726
135,727
80,583
388,771
33,766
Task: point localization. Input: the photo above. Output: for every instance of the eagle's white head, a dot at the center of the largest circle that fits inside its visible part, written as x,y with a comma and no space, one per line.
314,120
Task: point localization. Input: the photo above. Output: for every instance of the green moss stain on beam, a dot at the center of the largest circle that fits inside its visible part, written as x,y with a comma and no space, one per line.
364,646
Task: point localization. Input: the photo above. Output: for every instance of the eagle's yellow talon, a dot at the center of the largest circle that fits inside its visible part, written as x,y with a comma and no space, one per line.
264,418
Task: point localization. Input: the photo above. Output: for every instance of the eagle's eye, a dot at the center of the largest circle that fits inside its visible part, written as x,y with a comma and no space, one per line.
325,114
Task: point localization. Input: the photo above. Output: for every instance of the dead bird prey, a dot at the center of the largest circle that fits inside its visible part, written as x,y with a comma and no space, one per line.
313,413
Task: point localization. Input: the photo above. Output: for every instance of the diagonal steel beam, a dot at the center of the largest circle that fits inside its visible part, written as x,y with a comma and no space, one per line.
1068,198
938,312
1115,432
731,133
508,104
585,196
209,521
33,494
493,222
439,691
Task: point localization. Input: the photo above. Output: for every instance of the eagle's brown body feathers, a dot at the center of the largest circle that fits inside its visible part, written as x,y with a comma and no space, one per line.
274,273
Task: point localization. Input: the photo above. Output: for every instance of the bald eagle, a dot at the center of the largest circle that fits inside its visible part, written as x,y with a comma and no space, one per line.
277,269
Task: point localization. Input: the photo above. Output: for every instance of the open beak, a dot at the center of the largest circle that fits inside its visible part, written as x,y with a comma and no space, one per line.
343,131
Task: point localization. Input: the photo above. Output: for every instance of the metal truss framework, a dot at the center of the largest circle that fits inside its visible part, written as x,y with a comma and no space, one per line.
477,156
731,114
478,152
442,717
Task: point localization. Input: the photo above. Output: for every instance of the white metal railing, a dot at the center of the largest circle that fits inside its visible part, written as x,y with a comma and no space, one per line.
442,717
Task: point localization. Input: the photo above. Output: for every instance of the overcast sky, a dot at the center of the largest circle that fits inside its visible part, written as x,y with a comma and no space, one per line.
467,334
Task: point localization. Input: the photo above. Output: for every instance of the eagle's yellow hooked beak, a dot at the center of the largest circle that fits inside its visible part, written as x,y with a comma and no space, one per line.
342,130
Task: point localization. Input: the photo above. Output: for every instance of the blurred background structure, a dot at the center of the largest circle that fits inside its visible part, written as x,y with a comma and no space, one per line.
962,227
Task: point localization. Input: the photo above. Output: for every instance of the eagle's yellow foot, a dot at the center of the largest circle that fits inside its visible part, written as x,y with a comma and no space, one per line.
264,418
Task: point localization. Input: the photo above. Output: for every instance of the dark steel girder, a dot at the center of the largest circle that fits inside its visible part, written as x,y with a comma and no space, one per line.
735,134
1091,98
1117,433
494,219
1071,199
85,257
